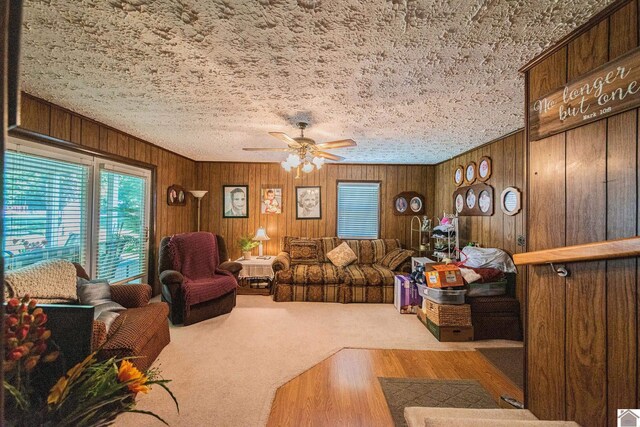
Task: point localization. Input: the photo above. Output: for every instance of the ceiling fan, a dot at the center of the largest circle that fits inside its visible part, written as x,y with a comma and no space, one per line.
305,153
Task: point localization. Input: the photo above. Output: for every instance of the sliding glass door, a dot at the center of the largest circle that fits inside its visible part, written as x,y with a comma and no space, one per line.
63,205
122,225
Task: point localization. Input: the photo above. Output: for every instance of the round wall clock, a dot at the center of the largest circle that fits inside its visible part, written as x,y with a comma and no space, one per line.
484,168
459,203
484,201
458,176
471,198
470,173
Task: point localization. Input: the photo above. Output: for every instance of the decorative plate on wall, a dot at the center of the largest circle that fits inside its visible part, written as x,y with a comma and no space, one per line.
471,198
484,201
474,200
510,201
408,203
458,176
470,173
484,168
459,203
176,196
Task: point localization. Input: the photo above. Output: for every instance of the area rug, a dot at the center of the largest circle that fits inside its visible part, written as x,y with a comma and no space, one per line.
225,371
407,392
509,361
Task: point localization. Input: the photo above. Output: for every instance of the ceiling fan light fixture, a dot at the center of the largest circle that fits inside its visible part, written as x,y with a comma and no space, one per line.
307,168
286,166
293,160
318,161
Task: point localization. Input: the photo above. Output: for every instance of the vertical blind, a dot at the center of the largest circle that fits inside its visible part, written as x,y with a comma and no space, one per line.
121,246
358,210
45,212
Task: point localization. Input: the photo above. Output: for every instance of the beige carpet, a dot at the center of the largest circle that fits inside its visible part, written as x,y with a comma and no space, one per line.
226,370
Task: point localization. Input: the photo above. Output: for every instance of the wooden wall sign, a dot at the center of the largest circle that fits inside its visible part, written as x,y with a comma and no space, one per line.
408,203
474,200
609,89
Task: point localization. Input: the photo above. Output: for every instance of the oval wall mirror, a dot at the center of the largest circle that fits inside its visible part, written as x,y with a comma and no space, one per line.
510,201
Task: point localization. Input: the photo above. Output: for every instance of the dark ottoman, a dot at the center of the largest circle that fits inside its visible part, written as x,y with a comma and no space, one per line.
495,318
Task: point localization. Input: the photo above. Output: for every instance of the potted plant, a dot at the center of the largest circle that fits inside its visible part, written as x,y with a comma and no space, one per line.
246,244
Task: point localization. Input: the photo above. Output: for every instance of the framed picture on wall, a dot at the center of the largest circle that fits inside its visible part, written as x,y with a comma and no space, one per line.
271,201
308,203
484,168
176,196
470,173
235,201
458,176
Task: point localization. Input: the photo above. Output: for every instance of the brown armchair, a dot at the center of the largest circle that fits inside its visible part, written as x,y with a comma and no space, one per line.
216,295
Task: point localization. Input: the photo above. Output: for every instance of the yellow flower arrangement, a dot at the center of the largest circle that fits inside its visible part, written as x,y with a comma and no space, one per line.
135,380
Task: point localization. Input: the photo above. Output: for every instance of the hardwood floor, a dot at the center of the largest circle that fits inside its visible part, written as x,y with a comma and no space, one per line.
344,389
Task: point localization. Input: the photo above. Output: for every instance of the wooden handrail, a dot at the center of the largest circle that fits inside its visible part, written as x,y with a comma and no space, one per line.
609,249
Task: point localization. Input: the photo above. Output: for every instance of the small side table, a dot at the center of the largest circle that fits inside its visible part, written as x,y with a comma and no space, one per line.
256,275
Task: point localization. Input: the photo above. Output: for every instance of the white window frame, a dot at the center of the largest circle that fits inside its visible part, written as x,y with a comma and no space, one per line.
26,146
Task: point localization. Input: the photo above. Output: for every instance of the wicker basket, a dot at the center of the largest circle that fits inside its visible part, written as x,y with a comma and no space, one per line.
448,315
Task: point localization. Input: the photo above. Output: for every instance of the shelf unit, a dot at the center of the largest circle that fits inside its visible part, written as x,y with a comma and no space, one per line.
421,231
446,246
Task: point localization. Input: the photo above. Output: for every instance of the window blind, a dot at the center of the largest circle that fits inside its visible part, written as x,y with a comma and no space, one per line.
45,212
122,233
358,210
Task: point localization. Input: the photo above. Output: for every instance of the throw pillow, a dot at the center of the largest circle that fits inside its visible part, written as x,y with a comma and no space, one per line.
342,255
304,251
395,258
98,294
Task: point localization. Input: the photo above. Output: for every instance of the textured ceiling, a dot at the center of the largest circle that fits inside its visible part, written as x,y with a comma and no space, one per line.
412,81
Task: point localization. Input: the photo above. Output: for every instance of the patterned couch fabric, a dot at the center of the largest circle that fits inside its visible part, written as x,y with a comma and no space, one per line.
311,274
363,281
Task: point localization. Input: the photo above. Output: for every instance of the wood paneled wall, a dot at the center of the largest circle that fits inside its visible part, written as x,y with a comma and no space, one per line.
582,336
394,179
508,170
48,119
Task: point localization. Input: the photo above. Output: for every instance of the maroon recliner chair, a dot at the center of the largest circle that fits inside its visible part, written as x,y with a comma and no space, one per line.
197,281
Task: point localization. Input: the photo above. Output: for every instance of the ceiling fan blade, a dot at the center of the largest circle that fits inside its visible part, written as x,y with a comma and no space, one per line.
266,149
286,138
337,144
328,156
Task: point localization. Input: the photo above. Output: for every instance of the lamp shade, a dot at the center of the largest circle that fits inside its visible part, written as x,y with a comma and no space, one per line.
198,194
261,234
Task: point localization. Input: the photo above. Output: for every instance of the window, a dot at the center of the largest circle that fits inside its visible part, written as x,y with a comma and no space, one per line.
122,232
358,210
76,207
45,209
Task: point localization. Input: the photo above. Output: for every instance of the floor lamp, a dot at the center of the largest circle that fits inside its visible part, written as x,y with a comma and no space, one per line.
198,194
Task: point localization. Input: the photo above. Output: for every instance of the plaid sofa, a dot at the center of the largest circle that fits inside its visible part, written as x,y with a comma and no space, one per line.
363,281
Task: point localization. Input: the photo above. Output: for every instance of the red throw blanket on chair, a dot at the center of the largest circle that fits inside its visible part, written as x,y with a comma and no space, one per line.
195,255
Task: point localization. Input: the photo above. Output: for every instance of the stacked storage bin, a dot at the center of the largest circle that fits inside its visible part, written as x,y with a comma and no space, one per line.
443,311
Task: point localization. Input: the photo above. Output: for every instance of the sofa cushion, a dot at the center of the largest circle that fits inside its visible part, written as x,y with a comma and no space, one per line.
395,258
342,255
304,251
372,251
321,273
368,275
286,242
326,245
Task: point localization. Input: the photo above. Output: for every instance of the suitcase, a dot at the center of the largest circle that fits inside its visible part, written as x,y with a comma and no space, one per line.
495,318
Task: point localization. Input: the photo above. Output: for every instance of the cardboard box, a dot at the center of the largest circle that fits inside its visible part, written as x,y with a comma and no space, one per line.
406,298
443,276
447,333
420,261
